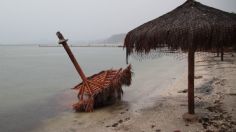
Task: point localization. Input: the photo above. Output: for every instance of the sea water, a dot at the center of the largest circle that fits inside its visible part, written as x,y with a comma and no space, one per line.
36,82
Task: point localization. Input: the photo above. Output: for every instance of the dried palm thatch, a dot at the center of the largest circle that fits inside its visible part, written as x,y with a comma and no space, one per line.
205,28
233,15
100,89
190,27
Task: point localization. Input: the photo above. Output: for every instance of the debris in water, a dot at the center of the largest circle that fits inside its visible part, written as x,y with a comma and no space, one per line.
100,89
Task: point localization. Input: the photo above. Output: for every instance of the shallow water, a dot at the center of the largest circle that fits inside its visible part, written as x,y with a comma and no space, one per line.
35,81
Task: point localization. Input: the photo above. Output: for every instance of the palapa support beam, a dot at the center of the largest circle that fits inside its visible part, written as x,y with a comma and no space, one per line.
222,53
191,59
63,42
191,116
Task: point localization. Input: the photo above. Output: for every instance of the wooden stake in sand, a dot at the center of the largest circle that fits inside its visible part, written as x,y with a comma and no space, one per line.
100,89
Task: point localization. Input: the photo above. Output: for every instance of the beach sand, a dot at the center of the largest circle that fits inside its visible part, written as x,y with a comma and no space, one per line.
215,105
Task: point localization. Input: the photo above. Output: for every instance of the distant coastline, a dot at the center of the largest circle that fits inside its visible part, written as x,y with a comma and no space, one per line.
19,45
33,45
115,40
82,45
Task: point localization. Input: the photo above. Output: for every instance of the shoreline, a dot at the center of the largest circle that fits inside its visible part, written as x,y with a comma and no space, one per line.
214,104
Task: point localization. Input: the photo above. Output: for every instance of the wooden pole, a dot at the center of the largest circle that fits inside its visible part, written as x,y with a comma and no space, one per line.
222,53
218,52
191,81
74,61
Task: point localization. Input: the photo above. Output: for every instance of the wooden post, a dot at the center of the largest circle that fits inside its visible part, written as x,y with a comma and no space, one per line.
218,52
67,48
222,53
191,81
127,56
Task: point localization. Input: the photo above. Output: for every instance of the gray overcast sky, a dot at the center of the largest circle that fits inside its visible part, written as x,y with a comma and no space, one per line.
36,21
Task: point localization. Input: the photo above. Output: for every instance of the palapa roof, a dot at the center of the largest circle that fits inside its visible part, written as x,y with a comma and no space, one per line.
192,23
233,15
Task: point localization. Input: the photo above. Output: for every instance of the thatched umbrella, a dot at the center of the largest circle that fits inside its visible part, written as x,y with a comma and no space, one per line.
190,27
99,89
220,50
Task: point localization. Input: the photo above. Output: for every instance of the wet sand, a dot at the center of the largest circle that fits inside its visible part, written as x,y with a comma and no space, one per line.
162,110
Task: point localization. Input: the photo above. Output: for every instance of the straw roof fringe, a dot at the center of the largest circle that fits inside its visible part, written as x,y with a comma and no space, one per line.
110,92
203,27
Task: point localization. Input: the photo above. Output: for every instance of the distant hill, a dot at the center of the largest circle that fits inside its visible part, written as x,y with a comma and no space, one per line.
115,39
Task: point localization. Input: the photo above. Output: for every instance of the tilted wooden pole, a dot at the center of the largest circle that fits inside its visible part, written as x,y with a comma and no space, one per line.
63,41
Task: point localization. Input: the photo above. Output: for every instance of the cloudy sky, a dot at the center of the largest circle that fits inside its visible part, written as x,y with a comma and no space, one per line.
36,21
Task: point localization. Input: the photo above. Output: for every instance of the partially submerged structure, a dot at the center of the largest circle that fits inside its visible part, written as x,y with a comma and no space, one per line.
190,27
100,89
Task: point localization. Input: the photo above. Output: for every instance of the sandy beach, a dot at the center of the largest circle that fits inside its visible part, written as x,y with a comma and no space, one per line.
66,66
215,103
